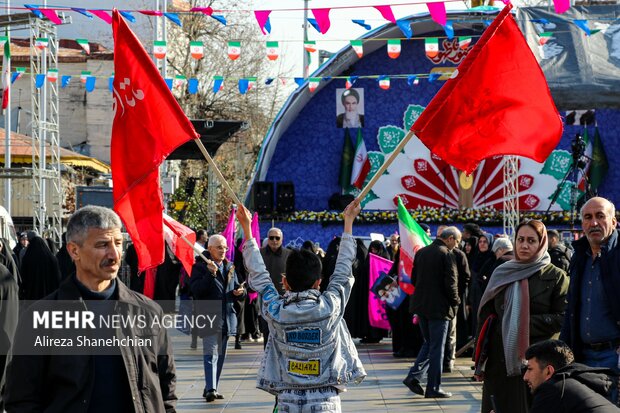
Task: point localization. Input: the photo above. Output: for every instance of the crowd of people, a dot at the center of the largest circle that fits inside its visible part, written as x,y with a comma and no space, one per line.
507,300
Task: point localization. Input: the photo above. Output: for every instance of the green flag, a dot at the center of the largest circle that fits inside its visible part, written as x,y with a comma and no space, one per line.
346,162
599,164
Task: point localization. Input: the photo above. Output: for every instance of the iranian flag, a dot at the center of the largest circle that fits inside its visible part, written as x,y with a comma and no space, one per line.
159,49
52,75
179,81
310,46
464,42
252,83
41,43
393,48
361,163
583,173
84,45
19,73
313,83
6,72
543,38
197,50
180,239
273,50
358,48
412,238
384,82
234,50
84,75
431,45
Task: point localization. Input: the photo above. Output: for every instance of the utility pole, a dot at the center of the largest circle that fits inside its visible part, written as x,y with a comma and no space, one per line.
7,119
306,62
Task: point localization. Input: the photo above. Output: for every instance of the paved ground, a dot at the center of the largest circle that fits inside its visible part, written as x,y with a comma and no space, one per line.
381,391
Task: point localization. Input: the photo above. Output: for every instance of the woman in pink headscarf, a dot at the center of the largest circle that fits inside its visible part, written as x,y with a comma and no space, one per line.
526,297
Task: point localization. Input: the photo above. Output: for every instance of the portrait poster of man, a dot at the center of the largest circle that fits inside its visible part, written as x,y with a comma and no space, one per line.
350,108
386,288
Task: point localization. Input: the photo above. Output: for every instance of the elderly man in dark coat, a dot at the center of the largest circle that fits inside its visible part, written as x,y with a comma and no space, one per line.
435,301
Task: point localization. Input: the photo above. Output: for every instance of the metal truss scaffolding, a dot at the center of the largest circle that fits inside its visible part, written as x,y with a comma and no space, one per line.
511,194
46,180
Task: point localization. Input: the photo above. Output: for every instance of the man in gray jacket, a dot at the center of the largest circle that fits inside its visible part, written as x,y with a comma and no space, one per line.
435,301
310,356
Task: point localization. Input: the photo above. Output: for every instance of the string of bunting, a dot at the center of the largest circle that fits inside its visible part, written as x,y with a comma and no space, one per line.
245,84
321,20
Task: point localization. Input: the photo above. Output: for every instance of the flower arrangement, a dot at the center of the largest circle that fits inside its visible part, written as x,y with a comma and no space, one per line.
488,216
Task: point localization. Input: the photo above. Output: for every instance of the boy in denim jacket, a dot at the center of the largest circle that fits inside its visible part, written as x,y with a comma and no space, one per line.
310,356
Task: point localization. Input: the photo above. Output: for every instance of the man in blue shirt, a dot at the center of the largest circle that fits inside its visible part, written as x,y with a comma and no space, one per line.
592,324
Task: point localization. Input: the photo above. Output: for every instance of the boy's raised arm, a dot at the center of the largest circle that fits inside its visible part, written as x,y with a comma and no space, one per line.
342,279
258,276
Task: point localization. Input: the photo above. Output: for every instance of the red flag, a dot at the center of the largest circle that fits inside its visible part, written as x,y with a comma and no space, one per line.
498,103
173,232
148,125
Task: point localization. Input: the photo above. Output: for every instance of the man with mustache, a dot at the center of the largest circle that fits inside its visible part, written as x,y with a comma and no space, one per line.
130,370
592,322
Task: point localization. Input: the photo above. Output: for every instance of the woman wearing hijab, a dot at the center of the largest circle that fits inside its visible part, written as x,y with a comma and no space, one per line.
527,296
356,311
478,280
39,270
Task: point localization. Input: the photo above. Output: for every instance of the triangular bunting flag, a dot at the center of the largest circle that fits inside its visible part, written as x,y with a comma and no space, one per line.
350,81
386,12
412,80
197,49
219,18
84,45
174,18
179,81
41,43
313,83
251,83
19,72
218,83
234,50
431,45
192,86
433,76
405,27
52,75
464,42
438,12
39,80
90,83
243,86
322,19
168,81
363,24
273,50
300,81
84,75
262,17
583,25
449,29
128,16
103,15
393,48
159,49
310,46
111,83
544,37
384,82
358,47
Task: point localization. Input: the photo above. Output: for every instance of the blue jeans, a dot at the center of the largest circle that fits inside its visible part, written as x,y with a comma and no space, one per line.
604,358
430,358
214,354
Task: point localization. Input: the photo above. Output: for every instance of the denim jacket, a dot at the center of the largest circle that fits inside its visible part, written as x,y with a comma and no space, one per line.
309,344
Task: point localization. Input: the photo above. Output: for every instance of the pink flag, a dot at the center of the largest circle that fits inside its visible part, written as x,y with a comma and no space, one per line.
438,12
184,251
561,5
51,15
322,19
386,12
376,307
261,17
103,15
204,10
255,228
229,234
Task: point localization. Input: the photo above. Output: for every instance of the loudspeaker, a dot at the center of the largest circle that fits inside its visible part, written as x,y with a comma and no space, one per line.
263,197
339,202
285,197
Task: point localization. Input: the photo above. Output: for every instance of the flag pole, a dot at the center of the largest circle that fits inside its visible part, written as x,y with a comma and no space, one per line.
196,250
217,171
385,165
